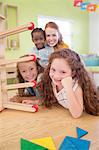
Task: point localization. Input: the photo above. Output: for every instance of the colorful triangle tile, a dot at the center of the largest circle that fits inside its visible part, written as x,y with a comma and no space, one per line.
46,142
80,132
67,145
72,143
27,145
80,143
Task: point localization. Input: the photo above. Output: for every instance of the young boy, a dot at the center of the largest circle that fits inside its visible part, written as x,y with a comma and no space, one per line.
41,50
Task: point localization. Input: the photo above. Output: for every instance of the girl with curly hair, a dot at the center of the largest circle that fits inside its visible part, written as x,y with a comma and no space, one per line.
66,81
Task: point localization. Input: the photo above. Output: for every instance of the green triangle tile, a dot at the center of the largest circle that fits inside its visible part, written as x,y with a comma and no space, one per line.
27,145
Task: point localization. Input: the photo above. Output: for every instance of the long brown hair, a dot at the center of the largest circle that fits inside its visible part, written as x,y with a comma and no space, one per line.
79,73
60,43
20,79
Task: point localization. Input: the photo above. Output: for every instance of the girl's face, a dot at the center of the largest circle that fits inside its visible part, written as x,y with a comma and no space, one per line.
59,70
39,40
28,70
52,36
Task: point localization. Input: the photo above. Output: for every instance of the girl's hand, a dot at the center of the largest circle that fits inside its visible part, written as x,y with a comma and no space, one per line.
16,99
31,102
67,82
27,101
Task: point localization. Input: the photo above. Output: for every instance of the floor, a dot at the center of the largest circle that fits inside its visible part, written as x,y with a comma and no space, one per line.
55,122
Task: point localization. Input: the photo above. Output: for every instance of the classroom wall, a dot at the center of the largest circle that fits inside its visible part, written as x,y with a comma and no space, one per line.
28,10
94,32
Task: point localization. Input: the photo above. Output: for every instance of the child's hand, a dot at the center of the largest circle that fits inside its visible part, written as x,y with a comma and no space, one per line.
16,99
31,102
67,82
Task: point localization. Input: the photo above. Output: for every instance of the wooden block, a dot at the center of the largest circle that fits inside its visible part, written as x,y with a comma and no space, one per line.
19,106
19,85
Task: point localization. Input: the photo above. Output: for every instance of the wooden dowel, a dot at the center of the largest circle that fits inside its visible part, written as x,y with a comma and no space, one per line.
1,98
19,85
3,80
8,62
18,106
11,32
15,30
2,17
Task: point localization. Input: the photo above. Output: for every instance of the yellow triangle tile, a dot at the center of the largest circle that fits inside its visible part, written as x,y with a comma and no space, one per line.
46,142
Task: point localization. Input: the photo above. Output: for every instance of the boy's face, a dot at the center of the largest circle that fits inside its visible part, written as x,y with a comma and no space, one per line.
38,39
28,70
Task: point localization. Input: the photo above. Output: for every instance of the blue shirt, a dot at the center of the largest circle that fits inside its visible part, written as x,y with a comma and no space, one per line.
43,54
33,91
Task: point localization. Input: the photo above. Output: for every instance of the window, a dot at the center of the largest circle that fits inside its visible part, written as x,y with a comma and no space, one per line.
65,27
12,21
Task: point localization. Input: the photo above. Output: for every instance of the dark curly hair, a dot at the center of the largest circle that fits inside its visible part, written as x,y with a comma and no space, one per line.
79,73
38,30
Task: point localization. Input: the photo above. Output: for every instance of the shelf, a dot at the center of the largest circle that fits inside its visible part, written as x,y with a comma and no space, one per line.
94,69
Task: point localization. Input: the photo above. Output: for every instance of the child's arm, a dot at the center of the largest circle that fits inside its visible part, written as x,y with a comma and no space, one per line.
30,102
75,97
25,99
16,99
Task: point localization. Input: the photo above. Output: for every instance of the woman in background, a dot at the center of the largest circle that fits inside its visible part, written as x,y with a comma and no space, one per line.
54,37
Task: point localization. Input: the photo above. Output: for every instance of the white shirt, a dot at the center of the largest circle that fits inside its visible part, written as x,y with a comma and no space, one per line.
61,95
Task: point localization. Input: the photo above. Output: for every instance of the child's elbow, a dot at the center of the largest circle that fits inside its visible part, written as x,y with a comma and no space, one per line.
77,115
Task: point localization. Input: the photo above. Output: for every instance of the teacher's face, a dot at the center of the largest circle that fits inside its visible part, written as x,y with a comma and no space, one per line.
52,36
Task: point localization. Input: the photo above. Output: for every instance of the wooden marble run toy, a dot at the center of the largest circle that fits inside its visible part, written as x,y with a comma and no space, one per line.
4,87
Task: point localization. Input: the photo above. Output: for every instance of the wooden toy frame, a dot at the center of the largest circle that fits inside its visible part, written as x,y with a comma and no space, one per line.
4,64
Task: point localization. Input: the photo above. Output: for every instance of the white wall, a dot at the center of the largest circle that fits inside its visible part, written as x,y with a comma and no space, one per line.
94,30
96,79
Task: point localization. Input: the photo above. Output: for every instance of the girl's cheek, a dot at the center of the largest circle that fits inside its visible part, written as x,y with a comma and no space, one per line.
66,75
51,75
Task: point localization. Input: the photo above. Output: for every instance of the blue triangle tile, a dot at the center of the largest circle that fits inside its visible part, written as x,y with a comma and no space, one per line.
80,144
71,143
67,145
80,132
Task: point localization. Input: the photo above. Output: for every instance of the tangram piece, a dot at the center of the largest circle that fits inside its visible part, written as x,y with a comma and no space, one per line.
27,145
71,143
74,144
46,142
67,144
81,132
